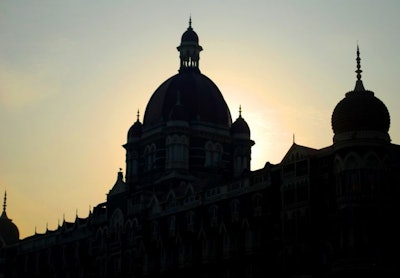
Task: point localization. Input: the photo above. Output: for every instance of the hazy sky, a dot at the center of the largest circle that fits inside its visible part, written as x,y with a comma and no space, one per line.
74,73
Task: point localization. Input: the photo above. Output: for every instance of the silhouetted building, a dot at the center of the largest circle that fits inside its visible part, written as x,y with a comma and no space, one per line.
191,207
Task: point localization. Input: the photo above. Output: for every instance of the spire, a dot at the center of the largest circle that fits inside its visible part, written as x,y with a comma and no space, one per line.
190,23
5,201
137,115
240,111
4,214
359,84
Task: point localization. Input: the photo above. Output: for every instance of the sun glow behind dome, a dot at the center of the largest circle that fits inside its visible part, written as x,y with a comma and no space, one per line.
68,97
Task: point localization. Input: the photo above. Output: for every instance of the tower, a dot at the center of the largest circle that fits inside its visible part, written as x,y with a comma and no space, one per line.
187,130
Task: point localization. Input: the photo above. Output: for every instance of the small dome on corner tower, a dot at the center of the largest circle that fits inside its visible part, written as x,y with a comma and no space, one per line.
136,129
240,126
9,232
360,114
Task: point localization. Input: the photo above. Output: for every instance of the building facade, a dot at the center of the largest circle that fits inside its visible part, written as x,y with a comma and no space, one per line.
190,206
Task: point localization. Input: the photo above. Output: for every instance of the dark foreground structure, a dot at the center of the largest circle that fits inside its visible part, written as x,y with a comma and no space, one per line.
189,205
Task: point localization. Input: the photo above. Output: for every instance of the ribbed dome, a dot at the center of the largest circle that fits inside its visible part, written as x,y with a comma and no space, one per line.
360,110
199,96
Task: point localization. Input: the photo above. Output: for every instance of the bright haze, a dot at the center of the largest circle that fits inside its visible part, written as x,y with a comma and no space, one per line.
73,75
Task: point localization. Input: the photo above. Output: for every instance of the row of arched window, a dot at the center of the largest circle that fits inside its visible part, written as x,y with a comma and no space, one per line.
177,155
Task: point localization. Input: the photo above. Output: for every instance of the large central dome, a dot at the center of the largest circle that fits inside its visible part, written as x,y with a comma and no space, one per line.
189,95
197,95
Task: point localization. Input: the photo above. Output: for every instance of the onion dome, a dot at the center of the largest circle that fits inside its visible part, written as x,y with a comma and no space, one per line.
8,230
240,126
360,114
198,97
136,129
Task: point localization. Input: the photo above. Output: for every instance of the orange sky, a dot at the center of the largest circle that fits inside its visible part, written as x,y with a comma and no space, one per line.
73,74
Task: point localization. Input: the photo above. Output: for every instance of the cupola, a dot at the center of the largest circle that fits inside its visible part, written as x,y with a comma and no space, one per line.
189,95
189,49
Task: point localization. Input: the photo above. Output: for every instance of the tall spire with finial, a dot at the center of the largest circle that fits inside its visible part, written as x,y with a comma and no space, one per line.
4,214
359,83
5,201
137,115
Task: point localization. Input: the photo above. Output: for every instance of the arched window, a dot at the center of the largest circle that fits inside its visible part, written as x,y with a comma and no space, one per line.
240,161
213,154
235,210
132,163
213,210
117,223
257,204
190,221
172,225
150,157
177,151
154,230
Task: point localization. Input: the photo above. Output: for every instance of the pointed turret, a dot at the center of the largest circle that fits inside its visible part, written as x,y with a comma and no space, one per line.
8,231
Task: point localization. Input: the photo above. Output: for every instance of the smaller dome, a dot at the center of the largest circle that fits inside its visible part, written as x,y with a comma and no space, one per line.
9,232
360,112
136,129
189,35
240,126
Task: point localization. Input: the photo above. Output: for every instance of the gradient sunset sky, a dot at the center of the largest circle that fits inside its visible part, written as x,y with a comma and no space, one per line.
74,73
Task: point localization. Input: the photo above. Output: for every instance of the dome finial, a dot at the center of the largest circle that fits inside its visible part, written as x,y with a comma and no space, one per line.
137,115
240,111
358,71
5,201
359,83
190,22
